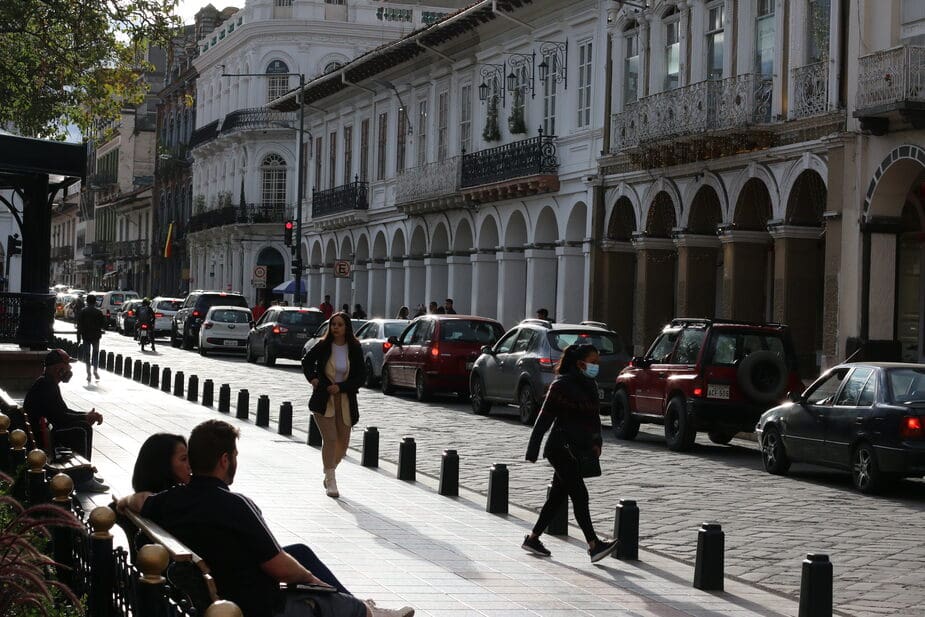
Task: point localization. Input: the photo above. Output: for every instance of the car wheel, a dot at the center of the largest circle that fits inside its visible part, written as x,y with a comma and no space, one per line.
721,438
625,426
370,376
477,397
202,351
174,341
249,354
420,387
773,454
679,434
865,472
527,404
268,358
386,381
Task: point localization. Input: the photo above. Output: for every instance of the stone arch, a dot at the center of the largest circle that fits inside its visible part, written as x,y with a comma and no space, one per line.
462,237
622,223
380,250
705,211
746,181
707,179
346,247
440,240
806,200
275,263
317,256
805,163
614,195
418,244
488,233
330,251
667,186
397,248
546,230
754,206
515,232
577,225
892,181
323,65
362,250
660,219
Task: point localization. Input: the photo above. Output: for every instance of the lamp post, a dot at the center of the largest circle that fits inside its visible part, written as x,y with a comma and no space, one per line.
297,266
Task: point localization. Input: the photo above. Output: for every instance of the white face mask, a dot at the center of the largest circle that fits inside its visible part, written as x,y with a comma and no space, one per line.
591,370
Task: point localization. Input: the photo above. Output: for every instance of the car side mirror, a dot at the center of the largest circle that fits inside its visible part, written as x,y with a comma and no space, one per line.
487,349
253,324
639,362
394,340
795,397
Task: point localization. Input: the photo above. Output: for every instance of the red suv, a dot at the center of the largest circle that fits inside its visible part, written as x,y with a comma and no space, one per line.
435,353
716,376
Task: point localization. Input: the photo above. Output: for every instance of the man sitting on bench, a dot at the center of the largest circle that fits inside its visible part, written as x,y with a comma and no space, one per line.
228,531
68,428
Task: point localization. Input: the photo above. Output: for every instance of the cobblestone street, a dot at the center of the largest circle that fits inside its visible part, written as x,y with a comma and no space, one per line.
877,544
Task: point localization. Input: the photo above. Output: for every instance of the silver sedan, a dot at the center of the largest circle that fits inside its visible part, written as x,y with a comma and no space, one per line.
374,338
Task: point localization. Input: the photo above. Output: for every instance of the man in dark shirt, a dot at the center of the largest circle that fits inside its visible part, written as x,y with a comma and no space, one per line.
69,428
448,307
227,530
90,326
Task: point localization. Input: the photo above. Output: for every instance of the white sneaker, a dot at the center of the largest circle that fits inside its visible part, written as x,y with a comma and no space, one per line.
376,611
330,484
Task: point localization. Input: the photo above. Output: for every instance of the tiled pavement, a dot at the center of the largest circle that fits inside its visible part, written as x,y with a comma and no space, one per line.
402,543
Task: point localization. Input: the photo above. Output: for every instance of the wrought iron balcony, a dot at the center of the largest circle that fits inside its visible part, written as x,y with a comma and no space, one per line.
341,199
429,187
27,319
59,253
524,167
891,85
257,118
248,214
203,134
130,249
809,87
97,249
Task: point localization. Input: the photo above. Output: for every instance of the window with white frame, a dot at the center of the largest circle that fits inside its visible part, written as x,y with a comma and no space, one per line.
319,161
443,113
913,22
348,154
672,24
364,150
764,39
817,30
715,39
550,87
422,133
273,181
630,63
332,160
278,81
465,118
381,145
401,134
584,84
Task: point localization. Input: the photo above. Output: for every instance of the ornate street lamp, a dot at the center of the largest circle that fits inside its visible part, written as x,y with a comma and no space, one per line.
493,74
519,63
555,61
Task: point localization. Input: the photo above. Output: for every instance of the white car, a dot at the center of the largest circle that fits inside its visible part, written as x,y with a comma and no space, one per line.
225,328
164,310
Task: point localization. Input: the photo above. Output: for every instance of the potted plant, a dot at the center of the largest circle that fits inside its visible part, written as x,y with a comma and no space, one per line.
516,122
492,132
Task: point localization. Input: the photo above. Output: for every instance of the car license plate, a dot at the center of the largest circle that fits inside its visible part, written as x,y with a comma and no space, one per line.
717,391
601,393
231,343
469,365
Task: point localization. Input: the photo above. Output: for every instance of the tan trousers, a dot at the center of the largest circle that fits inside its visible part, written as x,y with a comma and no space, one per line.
335,437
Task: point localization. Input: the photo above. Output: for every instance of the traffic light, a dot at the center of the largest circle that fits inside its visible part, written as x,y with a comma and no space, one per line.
287,232
13,245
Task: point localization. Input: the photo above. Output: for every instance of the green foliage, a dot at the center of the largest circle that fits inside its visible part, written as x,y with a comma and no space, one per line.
75,62
492,132
516,122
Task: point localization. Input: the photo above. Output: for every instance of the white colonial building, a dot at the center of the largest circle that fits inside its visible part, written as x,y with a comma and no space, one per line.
245,157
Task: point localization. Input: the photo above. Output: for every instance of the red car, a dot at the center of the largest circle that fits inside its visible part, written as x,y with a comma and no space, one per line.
435,353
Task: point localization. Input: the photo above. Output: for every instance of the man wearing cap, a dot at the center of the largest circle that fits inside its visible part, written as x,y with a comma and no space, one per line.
69,428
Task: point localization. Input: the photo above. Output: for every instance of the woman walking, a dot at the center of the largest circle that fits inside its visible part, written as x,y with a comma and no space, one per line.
336,371
572,409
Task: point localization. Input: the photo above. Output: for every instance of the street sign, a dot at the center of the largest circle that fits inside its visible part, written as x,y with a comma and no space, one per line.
260,274
259,283
342,269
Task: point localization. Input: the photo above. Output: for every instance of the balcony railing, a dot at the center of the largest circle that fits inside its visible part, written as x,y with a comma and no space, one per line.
238,215
810,90
203,134
535,156
127,249
891,77
705,106
257,118
59,253
97,249
428,182
341,199
27,319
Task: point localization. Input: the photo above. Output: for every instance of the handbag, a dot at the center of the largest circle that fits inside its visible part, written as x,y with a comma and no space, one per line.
589,465
318,402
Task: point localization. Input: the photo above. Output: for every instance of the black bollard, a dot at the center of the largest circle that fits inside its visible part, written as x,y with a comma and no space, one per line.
407,459
224,398
146,373
285,419
127,367
101,360
117,366
497,489
136,370
558,526
816,586
242,411
263,410
314,433
192,389
110,361
207,393
370,456
155,379
626,530
178,384
449,474
165,379
708,569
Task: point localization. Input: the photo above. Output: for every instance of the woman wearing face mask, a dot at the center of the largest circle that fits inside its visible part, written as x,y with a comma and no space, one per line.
572,409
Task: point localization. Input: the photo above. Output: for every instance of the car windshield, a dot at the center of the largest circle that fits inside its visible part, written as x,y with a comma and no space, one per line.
309,319
231,316
169,305
223,300
907,384
470,331
731,347
394,329
605,342
117,299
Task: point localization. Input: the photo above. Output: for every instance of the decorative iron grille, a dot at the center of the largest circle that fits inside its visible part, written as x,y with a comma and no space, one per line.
527,157
238,215
344,198
891,76
810,87
26,319
203,134
257,118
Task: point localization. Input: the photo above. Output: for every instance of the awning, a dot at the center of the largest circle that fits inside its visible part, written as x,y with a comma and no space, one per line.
110,274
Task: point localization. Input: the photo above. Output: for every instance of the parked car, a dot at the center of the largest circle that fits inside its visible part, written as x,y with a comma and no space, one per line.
519,368
110,302
435,353
225,328
164,310
281,332
127,317
868,419
61,302
322,331
374,338
716,376
184,328
77,299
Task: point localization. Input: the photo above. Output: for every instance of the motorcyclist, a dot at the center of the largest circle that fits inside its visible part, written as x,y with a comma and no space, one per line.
145,315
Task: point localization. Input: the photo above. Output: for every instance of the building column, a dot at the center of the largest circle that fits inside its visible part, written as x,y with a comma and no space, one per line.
415,280
435,279
328,284
618,280
459,282
360,287
745,275
570,284
395,287
342,292
541,278
375,291
512,286
655,289
484,283
314,285
237,269
697,274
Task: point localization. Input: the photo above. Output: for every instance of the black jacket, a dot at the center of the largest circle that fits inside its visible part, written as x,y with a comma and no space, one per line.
90,324
316,359
572,409
44,400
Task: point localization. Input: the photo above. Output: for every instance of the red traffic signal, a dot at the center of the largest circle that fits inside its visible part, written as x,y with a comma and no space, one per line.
287,232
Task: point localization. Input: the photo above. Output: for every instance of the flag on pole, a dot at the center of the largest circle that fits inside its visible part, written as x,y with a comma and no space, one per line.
168,245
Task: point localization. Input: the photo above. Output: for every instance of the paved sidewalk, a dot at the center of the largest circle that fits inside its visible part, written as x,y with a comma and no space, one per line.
402,543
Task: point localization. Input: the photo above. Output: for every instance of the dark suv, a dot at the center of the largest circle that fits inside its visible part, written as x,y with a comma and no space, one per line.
184,329
716,376
519,368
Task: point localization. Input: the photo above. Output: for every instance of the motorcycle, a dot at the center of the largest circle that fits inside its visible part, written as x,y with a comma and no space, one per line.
144,334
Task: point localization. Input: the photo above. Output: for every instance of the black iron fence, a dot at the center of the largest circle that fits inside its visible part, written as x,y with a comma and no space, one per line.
238,215
27,319
344,198
528,157
97,249
130,249
203,134
59,253
257,118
